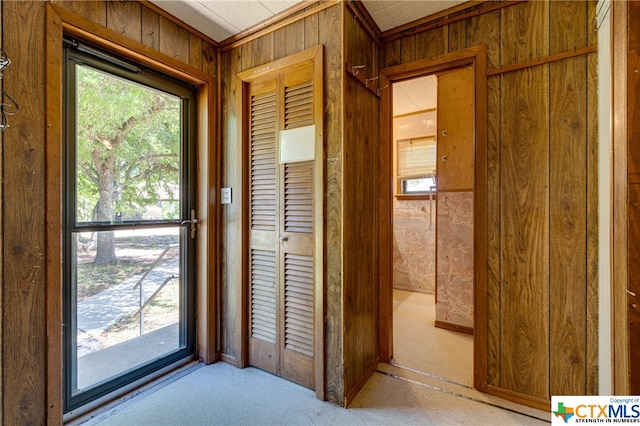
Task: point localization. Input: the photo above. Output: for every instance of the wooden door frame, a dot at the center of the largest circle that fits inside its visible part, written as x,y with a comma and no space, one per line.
476,57
58,23
314,55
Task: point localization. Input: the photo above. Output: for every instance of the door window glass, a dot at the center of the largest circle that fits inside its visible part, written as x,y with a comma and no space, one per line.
128,246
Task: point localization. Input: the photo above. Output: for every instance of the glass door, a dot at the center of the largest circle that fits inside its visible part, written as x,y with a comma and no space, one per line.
130,223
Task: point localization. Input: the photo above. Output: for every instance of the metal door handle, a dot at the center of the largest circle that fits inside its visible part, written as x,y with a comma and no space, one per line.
193,221
283,239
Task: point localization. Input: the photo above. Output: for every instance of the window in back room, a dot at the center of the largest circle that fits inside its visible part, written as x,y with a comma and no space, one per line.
414,132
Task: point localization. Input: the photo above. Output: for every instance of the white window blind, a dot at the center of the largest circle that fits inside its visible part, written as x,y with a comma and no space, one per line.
416,158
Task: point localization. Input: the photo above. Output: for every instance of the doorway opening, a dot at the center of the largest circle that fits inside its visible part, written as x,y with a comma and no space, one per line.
433,224
445,197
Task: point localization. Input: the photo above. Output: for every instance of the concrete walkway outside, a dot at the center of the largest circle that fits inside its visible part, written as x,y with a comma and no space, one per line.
99,312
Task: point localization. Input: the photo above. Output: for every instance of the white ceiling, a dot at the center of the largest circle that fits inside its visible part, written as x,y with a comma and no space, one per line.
390,14
221,19
414,95
411,96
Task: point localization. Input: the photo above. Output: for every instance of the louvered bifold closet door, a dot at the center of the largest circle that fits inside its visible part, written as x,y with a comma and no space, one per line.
282,218
263,269
297,226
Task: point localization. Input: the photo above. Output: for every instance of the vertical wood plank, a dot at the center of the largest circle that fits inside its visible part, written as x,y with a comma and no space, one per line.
233,314
351,303
525,203
195,51
263,50
350,51
232,213
295,37
349,223
246,56
494,272
525,233
521,43
457,36
592,206
408,49
565,35
311,31
92,10
385,230
330,30
174,40
592,225
54,197
457,31
125,17
209,59
485,29
391,54
280,43
431,43
568,202
224,124
150,28
24,321
568,261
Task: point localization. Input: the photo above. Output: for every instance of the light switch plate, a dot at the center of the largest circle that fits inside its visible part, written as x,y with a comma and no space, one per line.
225,195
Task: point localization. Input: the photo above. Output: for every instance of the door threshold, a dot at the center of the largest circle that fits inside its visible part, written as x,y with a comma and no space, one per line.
117,400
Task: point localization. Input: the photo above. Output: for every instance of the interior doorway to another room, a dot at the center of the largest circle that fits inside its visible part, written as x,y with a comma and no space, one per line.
433,221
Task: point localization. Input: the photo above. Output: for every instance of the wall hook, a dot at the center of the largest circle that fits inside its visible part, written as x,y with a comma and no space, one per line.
379,91
4,60
7,105
367,80
355,69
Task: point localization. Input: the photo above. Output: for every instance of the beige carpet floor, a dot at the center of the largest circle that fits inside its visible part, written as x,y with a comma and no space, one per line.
428,383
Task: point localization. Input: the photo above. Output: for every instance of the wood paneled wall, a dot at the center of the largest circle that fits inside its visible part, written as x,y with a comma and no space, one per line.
542,188
24,310
144,25
23,264
323,27
361,210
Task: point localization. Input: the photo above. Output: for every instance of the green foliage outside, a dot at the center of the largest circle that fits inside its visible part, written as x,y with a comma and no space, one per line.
128,153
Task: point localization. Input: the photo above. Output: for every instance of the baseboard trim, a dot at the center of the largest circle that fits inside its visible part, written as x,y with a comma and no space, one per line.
229,359
454,327
520,398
